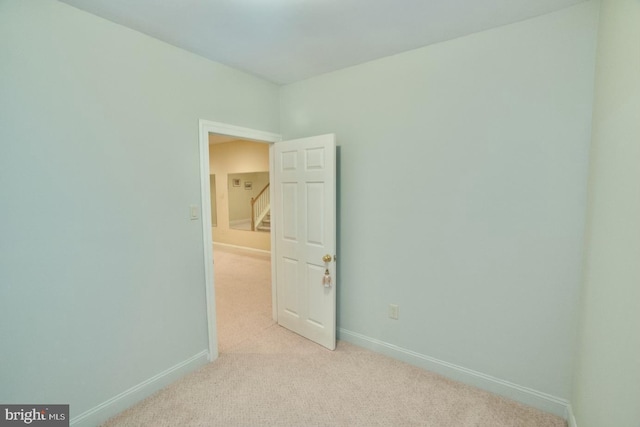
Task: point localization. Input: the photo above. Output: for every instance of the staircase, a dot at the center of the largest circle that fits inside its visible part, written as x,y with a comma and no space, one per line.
261,211
265,224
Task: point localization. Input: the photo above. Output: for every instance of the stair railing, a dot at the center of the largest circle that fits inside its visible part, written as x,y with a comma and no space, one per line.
260,206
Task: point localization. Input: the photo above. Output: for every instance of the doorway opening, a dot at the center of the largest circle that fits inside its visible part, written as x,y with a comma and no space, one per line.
240,205
258,245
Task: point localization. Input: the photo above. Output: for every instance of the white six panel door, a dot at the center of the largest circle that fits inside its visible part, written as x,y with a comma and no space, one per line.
305,196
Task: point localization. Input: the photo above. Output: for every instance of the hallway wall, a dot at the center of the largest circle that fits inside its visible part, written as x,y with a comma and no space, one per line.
237,157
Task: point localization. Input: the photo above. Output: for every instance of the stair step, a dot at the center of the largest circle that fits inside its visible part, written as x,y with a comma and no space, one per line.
265,224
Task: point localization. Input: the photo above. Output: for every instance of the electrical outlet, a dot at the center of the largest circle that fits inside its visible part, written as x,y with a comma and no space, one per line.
393,311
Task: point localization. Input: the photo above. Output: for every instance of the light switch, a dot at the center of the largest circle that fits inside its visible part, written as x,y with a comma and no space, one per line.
194,212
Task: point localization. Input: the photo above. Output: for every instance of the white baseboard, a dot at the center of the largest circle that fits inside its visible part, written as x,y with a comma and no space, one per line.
241,247
528,396
571,419
102,412
238,222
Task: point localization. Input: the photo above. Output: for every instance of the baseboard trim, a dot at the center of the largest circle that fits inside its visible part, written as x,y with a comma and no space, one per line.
571,419
526,395
241,247
102,412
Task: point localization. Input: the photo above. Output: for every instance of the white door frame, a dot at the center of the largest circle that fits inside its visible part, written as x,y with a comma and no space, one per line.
205,128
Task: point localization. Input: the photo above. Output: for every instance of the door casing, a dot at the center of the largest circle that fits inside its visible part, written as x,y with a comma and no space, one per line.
205,128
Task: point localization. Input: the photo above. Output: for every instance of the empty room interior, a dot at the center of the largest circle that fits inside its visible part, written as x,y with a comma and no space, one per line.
487,211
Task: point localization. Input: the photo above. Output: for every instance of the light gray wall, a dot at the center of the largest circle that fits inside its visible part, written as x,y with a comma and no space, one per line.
607,381
101,270
463,191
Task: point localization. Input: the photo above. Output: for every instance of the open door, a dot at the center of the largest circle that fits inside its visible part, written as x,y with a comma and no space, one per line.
305,237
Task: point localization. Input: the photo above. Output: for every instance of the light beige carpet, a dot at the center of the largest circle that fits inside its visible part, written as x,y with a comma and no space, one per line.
273,377
243,294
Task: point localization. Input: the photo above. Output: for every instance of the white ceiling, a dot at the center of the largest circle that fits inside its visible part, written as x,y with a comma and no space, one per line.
290,40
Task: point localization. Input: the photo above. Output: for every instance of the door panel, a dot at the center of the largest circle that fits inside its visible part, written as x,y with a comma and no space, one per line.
305,192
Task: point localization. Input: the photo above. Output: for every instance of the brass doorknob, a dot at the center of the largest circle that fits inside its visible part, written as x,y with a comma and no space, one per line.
327,258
